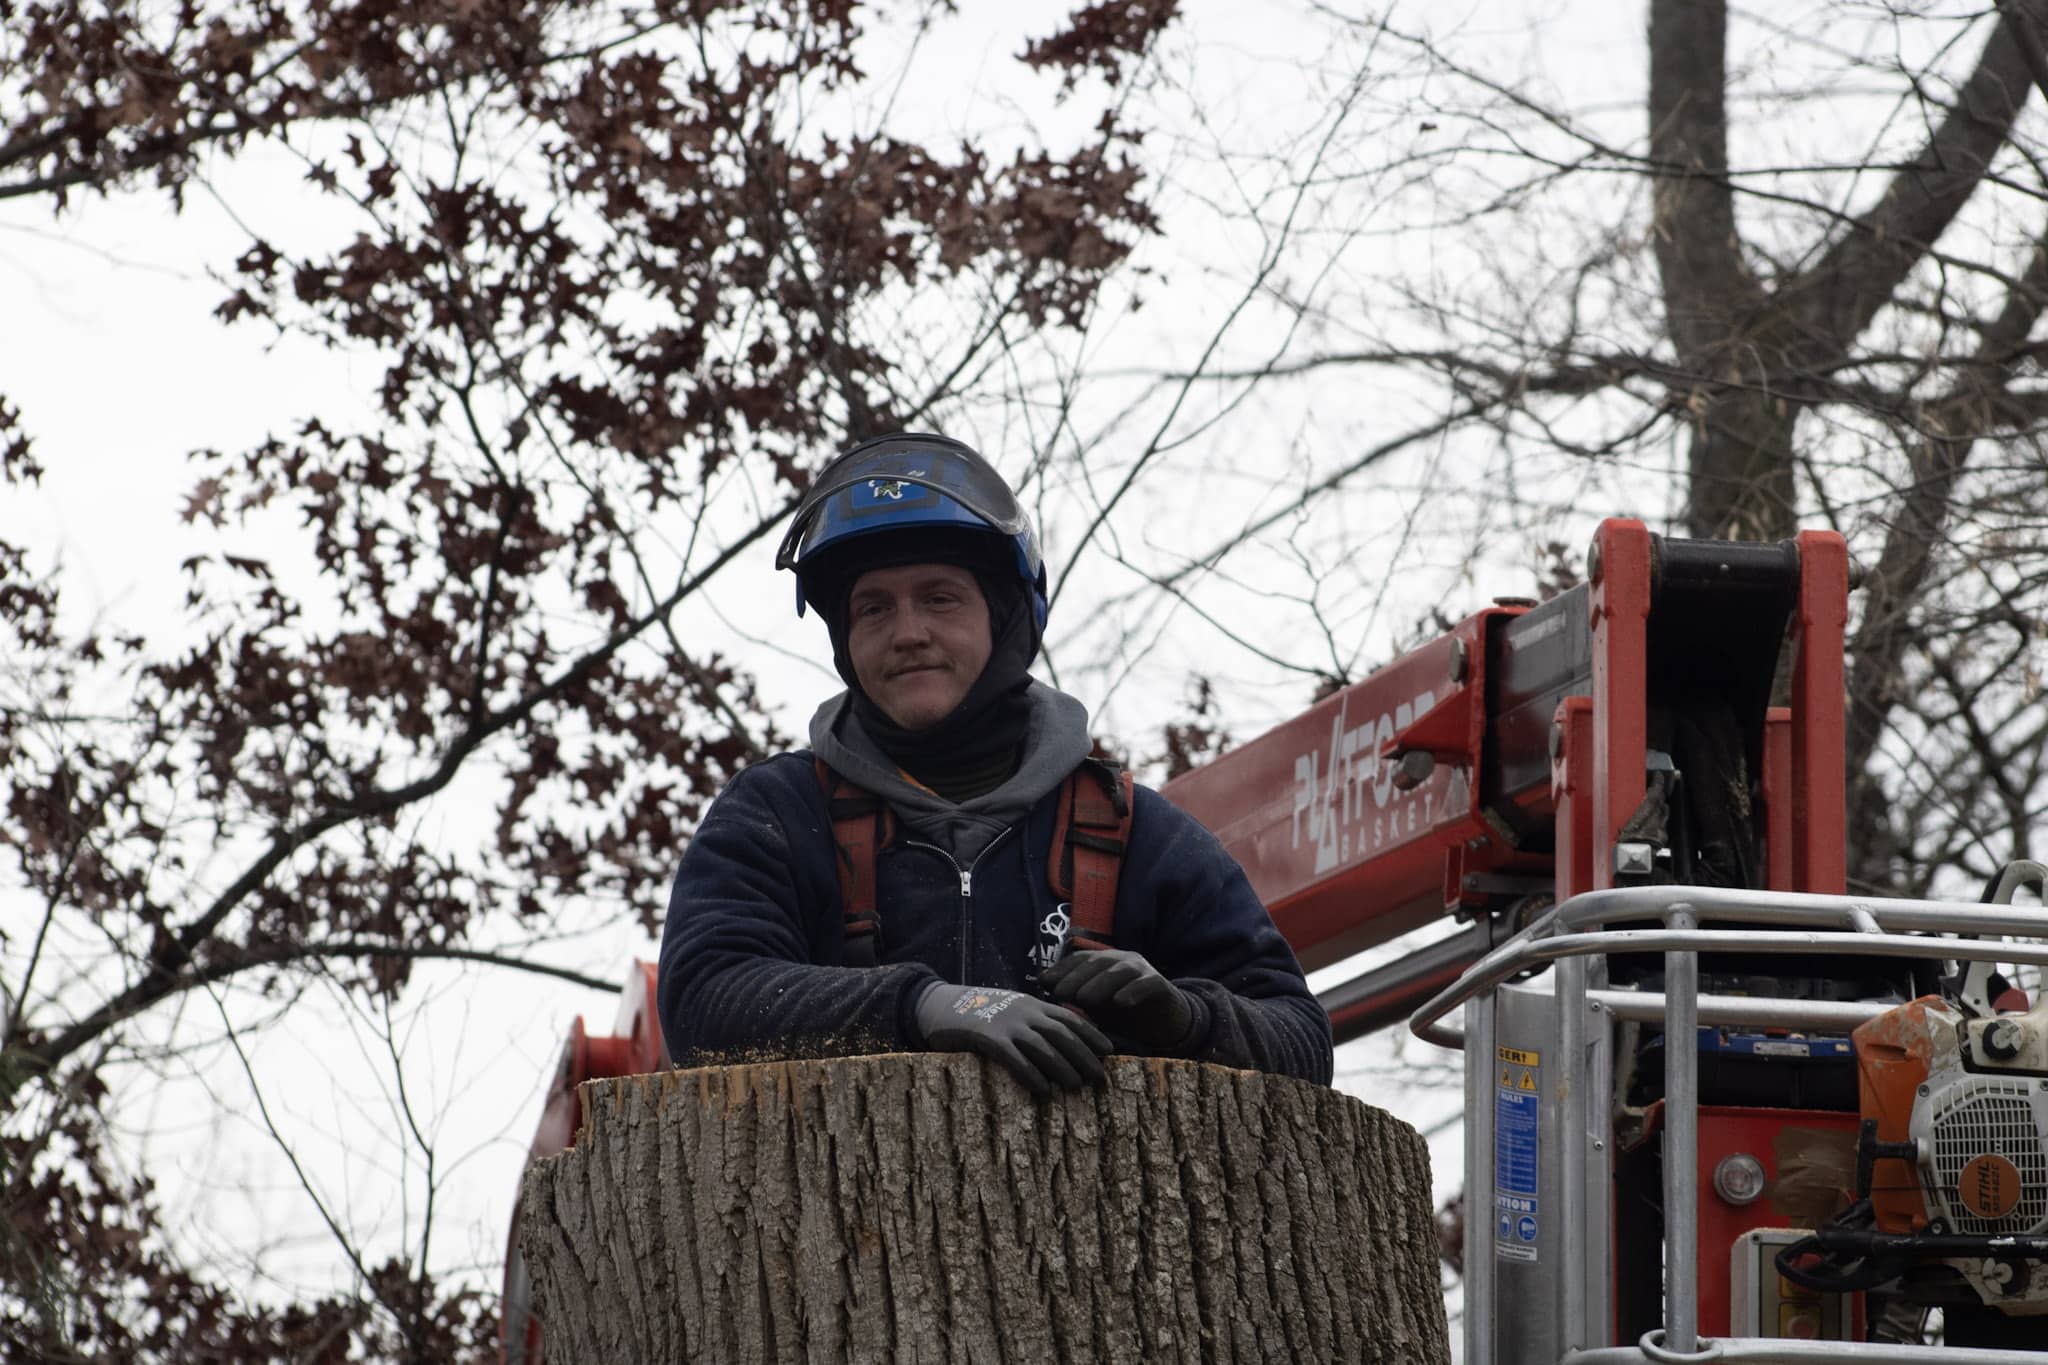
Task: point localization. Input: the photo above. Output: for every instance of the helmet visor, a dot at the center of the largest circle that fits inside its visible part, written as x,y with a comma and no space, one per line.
881,479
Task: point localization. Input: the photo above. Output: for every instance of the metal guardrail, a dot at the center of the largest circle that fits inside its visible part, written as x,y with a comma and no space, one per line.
1765,1351
1772,923
1845,925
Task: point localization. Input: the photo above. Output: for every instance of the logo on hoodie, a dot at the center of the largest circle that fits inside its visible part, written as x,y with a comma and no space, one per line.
1053,932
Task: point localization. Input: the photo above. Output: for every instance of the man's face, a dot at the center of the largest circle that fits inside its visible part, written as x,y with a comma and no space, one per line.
918,636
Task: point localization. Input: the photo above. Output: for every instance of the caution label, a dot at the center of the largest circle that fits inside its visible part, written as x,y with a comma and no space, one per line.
1517,1112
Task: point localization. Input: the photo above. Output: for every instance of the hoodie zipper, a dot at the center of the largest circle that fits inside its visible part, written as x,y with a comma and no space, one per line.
966,876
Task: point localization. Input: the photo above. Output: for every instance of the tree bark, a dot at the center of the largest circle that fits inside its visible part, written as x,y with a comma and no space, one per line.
1760,357
924,1208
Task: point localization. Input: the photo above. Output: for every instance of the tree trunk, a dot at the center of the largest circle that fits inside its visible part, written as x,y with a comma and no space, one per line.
924,1208
1742,464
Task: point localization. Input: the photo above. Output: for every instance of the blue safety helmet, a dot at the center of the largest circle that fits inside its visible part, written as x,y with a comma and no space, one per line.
905,481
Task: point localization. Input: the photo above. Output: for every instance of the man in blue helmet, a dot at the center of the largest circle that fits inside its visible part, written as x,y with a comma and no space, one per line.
893,889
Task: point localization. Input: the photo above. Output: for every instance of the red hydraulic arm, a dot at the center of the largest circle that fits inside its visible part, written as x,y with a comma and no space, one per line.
1345,845
1497,766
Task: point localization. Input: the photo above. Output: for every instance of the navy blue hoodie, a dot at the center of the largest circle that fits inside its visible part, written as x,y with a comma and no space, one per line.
753,951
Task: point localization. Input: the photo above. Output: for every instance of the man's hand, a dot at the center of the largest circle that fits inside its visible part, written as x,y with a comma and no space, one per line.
1042,1045
1124,993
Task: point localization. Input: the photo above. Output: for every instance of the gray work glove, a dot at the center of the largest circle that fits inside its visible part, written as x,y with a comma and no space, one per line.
1125,994
1042,1045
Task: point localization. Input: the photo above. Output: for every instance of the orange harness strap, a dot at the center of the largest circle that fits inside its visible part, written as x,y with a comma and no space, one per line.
1093,825
862,825
1088,849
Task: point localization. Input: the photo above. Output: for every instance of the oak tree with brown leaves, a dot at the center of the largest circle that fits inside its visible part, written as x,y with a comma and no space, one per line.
626,274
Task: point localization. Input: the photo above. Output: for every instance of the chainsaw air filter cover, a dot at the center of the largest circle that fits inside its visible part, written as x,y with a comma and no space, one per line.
1981,1140
1984,1141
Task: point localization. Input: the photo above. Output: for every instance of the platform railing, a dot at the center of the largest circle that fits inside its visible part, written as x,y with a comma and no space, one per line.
1770,923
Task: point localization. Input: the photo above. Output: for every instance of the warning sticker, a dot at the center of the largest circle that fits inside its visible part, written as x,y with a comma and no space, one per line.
1516,1112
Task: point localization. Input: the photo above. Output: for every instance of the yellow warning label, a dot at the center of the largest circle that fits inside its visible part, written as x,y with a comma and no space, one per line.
1527,1082
1507,1078
1517,1057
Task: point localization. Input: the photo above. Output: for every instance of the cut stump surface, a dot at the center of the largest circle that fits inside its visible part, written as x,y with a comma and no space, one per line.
922,1208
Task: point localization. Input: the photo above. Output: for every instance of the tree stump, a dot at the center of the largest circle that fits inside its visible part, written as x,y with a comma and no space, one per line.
921,1208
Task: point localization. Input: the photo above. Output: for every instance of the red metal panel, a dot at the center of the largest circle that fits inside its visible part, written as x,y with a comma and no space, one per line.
1778,801
1763,1134
1342,857
639,1022
1571,786
1621,614
633,1047
1820,863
